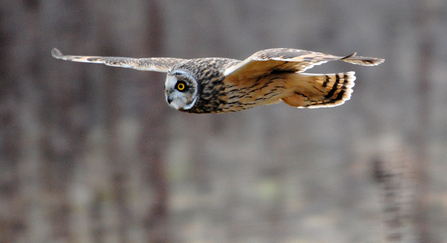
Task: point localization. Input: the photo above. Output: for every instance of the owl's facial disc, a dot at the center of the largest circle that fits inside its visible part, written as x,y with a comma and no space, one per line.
181,90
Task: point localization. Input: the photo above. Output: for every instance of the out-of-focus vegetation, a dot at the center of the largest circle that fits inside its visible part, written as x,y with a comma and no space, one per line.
90,153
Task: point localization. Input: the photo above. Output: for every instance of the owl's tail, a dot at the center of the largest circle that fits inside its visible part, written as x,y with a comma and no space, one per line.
319,90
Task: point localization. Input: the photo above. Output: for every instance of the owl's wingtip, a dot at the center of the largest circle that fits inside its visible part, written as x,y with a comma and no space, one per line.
380,61
364,61
56,53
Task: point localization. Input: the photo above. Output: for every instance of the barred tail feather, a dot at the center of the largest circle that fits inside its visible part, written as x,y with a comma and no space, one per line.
321,90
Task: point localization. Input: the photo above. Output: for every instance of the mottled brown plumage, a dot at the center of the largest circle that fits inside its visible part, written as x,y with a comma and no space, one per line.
217,85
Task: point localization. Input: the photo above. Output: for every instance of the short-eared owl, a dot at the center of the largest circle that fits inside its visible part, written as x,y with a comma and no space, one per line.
217,85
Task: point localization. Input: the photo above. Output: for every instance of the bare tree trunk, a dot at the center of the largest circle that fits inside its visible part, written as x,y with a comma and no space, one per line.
12,224
155,133
120,172
65,118
423,72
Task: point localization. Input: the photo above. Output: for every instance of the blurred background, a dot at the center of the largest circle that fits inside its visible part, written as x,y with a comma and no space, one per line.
90,153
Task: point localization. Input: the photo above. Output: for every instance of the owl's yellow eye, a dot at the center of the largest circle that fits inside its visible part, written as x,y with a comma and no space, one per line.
181,86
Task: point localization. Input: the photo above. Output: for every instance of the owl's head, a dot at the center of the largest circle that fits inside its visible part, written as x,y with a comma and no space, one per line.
181,89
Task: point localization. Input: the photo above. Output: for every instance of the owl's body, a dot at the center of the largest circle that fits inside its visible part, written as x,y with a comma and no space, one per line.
218,85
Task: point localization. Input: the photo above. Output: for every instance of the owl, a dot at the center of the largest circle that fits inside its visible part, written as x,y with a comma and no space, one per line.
219,85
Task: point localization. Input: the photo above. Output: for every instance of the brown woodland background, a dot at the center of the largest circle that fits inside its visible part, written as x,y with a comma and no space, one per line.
90,153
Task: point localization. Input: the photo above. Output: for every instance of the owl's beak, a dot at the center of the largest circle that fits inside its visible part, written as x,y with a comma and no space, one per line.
169,99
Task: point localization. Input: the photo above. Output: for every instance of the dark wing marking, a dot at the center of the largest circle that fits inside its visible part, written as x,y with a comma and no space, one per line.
156,64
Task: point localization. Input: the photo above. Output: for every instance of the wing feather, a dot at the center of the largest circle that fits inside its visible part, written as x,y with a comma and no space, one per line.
289,60
156,64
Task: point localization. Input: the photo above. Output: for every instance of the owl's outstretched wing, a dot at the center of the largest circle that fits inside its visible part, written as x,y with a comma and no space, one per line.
156,64
289,60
